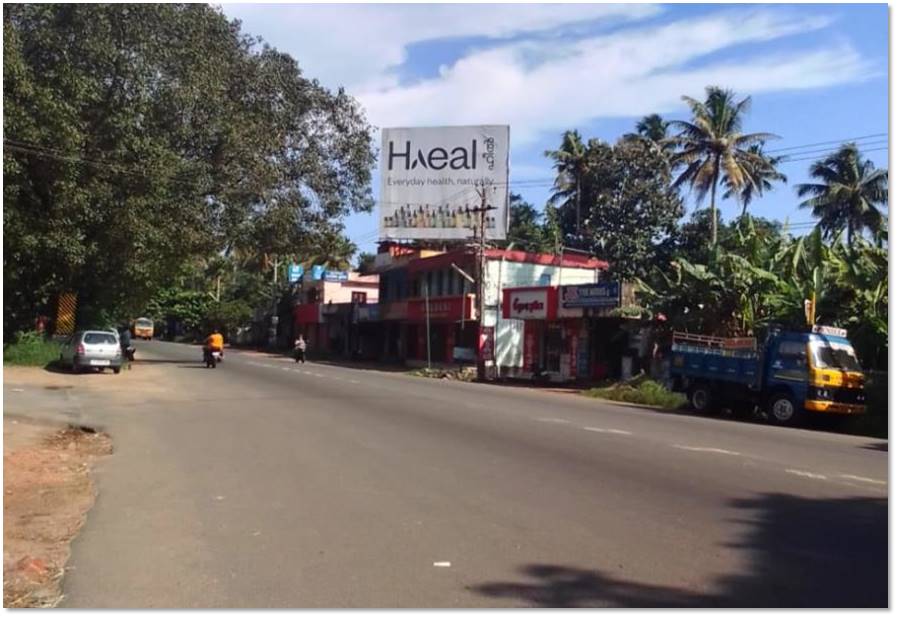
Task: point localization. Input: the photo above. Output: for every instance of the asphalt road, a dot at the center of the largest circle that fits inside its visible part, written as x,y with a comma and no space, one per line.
264,483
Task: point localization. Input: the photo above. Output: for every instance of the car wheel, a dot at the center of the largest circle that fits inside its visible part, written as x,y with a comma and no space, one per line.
701,398
116,370
781,410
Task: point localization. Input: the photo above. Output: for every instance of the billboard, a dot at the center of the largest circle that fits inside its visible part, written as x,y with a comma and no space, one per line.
429,179
295,272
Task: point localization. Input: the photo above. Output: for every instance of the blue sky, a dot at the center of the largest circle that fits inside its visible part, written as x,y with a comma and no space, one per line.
816,73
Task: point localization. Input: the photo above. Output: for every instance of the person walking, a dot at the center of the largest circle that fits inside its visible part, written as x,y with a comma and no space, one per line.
299,349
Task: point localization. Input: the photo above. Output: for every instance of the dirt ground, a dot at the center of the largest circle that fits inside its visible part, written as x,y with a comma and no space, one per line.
47,491
47,486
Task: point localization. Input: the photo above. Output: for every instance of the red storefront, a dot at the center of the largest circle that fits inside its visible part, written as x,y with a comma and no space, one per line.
450,324
551,337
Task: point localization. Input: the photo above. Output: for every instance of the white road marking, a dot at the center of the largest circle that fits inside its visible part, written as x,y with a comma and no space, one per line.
806,474
710,450
615,431
285,368
862,479
554,420
354,381
442,564
18,389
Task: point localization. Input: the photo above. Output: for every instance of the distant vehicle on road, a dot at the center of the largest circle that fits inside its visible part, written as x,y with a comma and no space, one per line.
790,375
92,349
143,328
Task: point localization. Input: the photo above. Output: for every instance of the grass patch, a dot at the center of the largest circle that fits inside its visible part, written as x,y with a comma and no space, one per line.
641,391
438,373
30,349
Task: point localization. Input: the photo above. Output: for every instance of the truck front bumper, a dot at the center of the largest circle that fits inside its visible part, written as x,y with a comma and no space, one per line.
832,407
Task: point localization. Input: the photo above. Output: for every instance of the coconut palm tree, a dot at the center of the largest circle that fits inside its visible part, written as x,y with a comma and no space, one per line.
652,127
762,171
653,130
712,147
848,194
571,164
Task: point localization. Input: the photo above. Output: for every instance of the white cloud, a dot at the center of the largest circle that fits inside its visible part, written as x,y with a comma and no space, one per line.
356,45
539,86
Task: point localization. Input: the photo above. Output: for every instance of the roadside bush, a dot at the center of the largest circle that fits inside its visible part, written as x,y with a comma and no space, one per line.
643,392
30,349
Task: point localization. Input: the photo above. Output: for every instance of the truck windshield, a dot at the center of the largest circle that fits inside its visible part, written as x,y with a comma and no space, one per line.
835,356
144,323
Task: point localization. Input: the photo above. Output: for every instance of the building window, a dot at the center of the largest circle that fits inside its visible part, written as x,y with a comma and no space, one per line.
359,297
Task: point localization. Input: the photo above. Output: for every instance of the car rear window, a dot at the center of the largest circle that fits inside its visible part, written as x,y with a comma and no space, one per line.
97,338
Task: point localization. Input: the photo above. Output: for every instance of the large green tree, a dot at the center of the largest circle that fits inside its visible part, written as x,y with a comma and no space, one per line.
140,136
847,195
713,150
526,231
632,207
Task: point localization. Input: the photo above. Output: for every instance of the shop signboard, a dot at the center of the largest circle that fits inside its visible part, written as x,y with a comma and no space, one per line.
606,294
429,177
530,303
487,343
452,308
317,273
529,347
294,272
336,276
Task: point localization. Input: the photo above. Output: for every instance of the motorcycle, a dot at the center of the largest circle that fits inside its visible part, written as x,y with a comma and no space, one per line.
212,358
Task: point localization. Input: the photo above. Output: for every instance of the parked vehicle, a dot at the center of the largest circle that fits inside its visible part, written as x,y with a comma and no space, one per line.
95,349
143,328
789,375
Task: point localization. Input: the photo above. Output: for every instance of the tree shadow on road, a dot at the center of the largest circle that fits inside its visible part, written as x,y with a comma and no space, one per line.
802,553
881,446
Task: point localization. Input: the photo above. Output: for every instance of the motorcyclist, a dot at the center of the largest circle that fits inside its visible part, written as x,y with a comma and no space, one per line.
124,333
214,342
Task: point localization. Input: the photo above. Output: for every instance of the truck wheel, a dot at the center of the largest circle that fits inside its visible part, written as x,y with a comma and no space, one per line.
700,398
781,410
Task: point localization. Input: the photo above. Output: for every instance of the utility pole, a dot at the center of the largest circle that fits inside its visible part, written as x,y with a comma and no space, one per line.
480,237
427,302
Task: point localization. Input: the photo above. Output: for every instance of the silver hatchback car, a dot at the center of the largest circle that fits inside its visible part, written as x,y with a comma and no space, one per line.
99,349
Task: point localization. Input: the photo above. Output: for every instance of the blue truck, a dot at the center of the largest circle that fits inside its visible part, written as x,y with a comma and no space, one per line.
789,376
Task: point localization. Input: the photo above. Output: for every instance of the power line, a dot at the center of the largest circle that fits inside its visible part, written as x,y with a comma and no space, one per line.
818,157
866,146
834,141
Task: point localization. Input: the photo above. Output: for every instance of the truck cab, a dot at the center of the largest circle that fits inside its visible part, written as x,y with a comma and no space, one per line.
817,371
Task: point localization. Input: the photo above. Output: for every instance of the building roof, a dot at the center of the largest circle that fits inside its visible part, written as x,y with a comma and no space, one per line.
466,256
